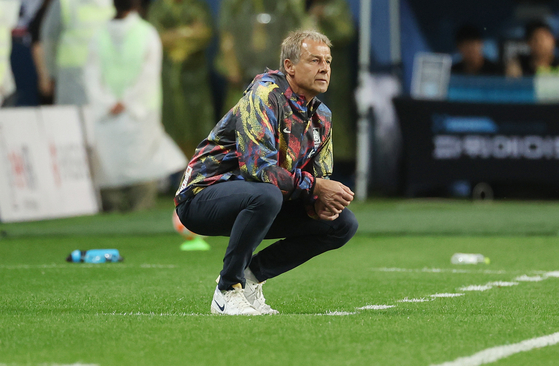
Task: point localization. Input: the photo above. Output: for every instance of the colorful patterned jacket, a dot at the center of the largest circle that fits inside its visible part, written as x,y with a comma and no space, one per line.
270,136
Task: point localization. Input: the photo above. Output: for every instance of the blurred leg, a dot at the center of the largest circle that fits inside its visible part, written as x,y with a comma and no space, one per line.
142,196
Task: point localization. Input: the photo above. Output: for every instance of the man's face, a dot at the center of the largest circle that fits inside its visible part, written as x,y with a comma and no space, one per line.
311,75
541,42
471,50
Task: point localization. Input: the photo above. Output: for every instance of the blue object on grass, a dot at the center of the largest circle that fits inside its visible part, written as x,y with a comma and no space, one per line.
94,256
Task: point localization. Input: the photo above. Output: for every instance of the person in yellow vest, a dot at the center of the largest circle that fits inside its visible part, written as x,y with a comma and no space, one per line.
250,36
185,28
9,10
131,150
66,32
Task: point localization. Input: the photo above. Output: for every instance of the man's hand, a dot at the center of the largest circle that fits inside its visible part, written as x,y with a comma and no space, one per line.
46,86
323,213
117,109
334,195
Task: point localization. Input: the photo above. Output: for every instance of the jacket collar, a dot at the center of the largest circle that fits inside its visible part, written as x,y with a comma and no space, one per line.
280,80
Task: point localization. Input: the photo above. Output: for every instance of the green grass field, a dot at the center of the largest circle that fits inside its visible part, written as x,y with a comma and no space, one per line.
154,308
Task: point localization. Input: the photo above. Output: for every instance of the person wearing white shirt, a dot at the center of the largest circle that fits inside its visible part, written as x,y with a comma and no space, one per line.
123,83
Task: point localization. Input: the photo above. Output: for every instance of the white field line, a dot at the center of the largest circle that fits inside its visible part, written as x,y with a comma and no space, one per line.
485,287
375,307
525,278
54,364
441,270
502,284
475,288
338,313
422,299
72,364
496,353
488,286
137,313
151,314
447,295
85,266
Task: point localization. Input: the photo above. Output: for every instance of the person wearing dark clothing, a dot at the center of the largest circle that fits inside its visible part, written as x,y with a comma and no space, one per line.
470,45
44,83
542,59
264,172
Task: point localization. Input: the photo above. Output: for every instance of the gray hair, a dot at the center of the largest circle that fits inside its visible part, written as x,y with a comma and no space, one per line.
291,46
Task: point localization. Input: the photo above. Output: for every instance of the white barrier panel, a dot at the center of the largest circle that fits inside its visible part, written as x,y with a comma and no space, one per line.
44,171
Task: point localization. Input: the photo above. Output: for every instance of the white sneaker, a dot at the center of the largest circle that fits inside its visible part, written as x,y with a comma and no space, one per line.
254,295
232,302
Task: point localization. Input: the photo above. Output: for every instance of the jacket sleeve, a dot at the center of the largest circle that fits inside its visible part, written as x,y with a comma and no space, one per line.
257,145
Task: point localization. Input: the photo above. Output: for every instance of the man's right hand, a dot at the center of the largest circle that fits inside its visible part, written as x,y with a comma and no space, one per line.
334,195
323,213
117,109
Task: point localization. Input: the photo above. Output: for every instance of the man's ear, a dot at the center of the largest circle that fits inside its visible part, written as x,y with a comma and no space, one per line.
289,66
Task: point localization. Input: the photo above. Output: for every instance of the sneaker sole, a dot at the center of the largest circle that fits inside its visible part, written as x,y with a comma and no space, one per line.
218,312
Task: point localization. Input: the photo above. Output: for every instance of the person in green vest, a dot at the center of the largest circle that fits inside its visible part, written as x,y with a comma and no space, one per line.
66,32
334,19
251,32
185,28
131,150
9,10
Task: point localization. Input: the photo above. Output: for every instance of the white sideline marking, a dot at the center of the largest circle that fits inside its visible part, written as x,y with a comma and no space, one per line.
447,295
55,364
475,288
525,278
496,353
441,270
502,284
338,313
152,314
84,265
328,313
422,299
71,364
375,307
552,274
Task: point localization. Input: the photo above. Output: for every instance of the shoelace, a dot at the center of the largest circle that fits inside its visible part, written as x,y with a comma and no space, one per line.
260,296
238,298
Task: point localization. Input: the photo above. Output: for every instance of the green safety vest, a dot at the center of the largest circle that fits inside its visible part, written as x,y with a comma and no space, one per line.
121,67
81,19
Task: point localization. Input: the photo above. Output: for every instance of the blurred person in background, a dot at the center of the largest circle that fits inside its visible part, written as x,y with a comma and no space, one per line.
251,32
334,19
45,86
470,46
66,32
185,28
542,59
9,11
123,79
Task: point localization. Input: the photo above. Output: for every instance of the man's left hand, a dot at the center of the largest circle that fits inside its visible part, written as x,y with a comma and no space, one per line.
323,212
